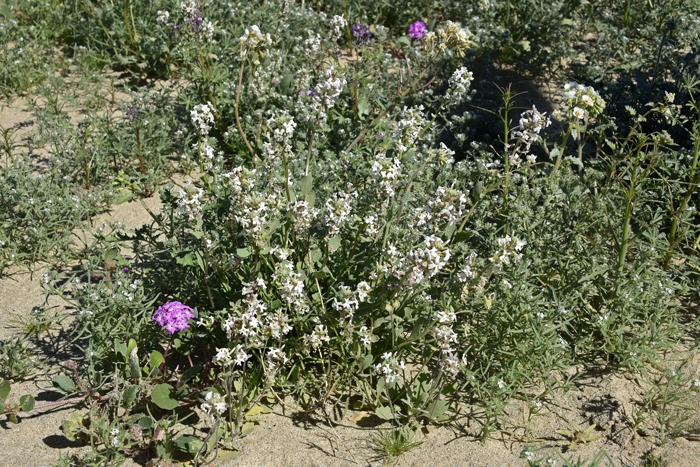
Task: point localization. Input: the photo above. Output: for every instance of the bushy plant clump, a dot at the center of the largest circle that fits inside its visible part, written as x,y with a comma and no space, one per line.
327,244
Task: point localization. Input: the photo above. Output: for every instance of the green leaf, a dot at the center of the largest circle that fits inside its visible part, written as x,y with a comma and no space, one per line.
191,373
130,394
257,410
247,428
64,383
438,408
111,254
4,389
286,83
2,407
27,403
163,396
363,106
243,252
566,22
334,243
384,413
146,423
70,429
123,197
554,153
6,12
188,443
134,366
13,418
366,362
184,258
306,184
403,41
155,359
120,348
523,45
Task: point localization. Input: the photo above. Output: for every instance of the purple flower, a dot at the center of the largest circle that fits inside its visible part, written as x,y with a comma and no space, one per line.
131,112
417,29
361,33
173,316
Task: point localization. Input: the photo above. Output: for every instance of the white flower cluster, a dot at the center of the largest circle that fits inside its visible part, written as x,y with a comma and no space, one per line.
190,8
253,323
389,367
459,84
253,38
238,181
281,129
531,124
450,35
291,288
328,88
254,212
509,251
163,16
425,261
226,357
450,364
214,403
114,433
275,359
302,215
338,208
206,154
405,132
583,101
350,301
337,25
446,207
202,117
365,336
189,200
317,337
312,45
386,172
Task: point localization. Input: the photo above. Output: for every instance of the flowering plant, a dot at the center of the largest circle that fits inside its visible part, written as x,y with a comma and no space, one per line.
417,30
173,316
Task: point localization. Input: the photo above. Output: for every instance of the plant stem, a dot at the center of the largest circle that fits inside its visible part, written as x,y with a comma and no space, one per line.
235,106
138,145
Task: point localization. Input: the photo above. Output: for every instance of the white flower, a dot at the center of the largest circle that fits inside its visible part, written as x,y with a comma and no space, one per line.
163,16
337,25
459,84
579,113
202,118
317,337
253,38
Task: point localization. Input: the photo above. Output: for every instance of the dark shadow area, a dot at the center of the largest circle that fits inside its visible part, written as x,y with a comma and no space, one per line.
61,442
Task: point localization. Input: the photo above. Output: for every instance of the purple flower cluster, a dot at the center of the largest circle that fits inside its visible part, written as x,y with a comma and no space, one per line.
417,30
131,112
196,21
173,316
361,34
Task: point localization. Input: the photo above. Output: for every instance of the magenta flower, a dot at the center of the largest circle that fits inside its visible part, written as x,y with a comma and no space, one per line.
417,29
173,316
